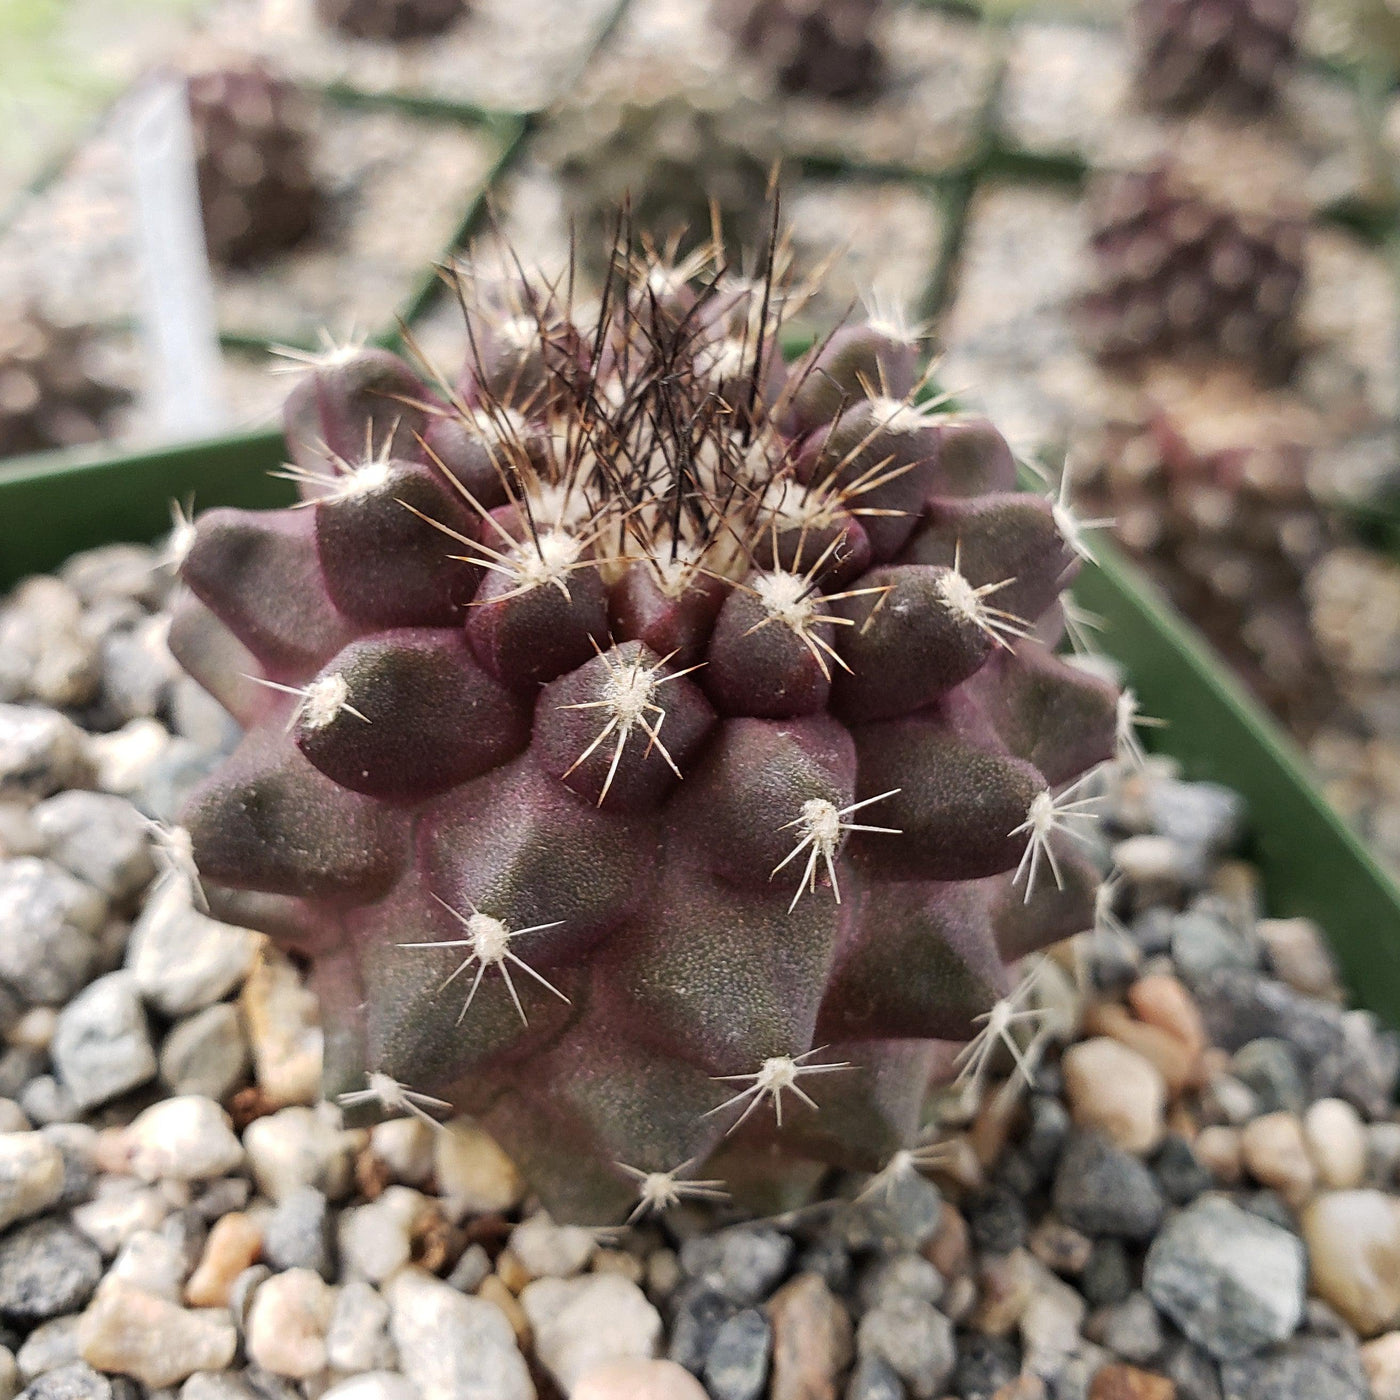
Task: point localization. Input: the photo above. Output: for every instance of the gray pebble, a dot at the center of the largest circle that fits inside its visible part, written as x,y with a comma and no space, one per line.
1181,1177
743,1265
874,1379
77,1146
1232,1282
221,1196
1101,1190
50,1345
1312,1368
737,1365
900,1276
76,1381
915,1339
358,1337
47,922
241,1290
1203,817
18,1065
984,1365
1239,1005
830,1260
1195,1374
298,1234
470,1271
41,752
46,1268
137,670
195,715
183,960
902,1214
206,1053
116,571
45,1101
1204,941
1269,1067
699,1312
102,1047
1364,1069
99,838
217,1385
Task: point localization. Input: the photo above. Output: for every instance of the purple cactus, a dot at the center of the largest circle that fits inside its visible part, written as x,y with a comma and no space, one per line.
655,750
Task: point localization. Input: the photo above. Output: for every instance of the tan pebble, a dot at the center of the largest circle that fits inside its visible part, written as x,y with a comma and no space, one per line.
991,1130
1336,1138
284,1030
635,1379
287,1323
1177,1065
1381,1361
1353,1240
812,1340
664,1272
1115,1382
959,1299
1117,1091
1300,956
233,1244
131,1333
1060,1247
1275,1154
1182,1122
474,1176
949,1249
1163,1001
1006,1283
111,1152
617,1261
495,1291
1022,1388
1218,1151
512,1273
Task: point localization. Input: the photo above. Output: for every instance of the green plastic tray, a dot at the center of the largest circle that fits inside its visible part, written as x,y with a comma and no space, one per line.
1311,861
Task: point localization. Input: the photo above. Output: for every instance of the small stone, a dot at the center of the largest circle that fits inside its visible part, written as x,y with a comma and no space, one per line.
1178,1065
150,1262
1203,816
299,1146
376,1239
900,1276
829,1258
1005,1284
1102,1190
358,1337
697,1313
1232,1282
812,1340
997,1219
1299,955
1310,1368
183,960
46,1268
298,1235
1162,1001
1115,1382
1205,943
915,1339
1116,1091
206,1053
1180,1174
580,1322
636,1379
217,1385
1381,1361
189,1138
1270,1068
243,1290
48,921
284,1030
371,1385
102,1047
1218,1150
1061,1248
99,838
1130,1329
903,1214
76,1381
1353,1240
45,1101
469,1271
234,1242
1276,1155
405,1147
737,1365
741,1264
46,1348
1107,1277
41,752
985,1364
288,1321
151,1340
1336,1139
121,1205
31,1176
453,1347
124,761
1050,1324
474,1177
547,1250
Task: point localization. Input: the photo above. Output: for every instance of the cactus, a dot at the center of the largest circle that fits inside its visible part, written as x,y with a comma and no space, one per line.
49,394
655,748
1234,53
391,21
1175,273
824,48
252,147
1231,535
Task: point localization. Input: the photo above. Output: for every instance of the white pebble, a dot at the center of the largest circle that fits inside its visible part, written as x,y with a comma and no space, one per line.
580,1322
189,1138
288,1321
31,1176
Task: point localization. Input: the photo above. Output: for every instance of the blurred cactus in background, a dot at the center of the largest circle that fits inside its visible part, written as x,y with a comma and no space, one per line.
822,48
